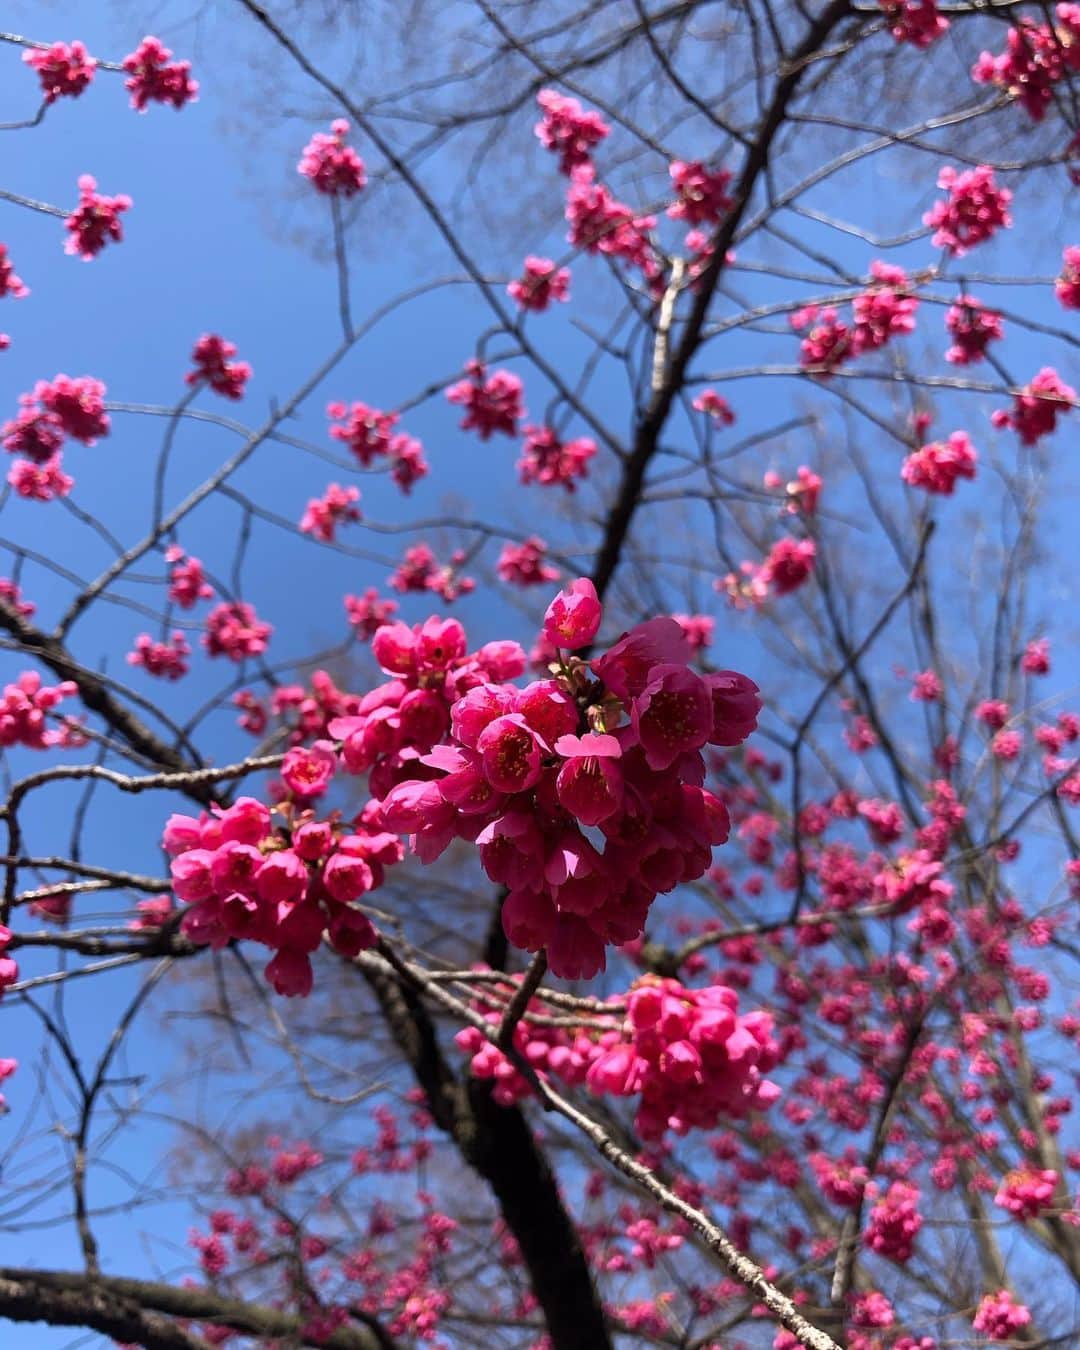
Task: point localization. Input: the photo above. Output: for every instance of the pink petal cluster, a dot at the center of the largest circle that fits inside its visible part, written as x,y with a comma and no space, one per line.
166,660
492,402
549,461
937,467
40,482
283,885
519,776
915,21
11,595
894,1223
153,77
1027,1192
234,630
1036,56
337,506
886,309
1036,408
975,209
568,129
716,406
369,433
789,564
9,974
368,612
64,69
523,564
95,221
24,707
599,223
972,327
541,282
10,284
187,579
999,1316
419,570
702,194
1035,659
212,356
332,167
690,1055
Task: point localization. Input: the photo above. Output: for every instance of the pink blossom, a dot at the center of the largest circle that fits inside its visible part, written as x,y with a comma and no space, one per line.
40,482
573,618
926,687
717,407
915,21
523,564
307,770
1036,657
492,402
420,571
702,194
1036,408
973,211
10,284
332,167
541,282
187,580
24,709
599,223
167,660
324,514
698,629
65,69
154,78
1067,286
936,467
568,129
11,595
589,784
368,612
548,461
1027,1192
972,327
789,564
211,355
1000,1317
234,630
894,1223
95,221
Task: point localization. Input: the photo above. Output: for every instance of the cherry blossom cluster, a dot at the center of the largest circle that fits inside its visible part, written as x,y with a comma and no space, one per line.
492,402
886,309
332,167
523,564
153,77
568,129
1027,1192
600,223
975,209
368,612
12,596
540,283
166,660
1035,58
337,506
305,712
525,769
65,69
233,629
936,467
894,1223
801,493
10,284
56,409
212,355
280,880
1036,408
95,222
915,21
972,326
369,433
701,195
9,967
1066,288
547,460
419,570
24,711
788,565
1000,1317
715,406
187,579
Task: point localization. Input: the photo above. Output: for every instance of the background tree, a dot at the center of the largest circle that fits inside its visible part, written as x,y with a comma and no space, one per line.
681,309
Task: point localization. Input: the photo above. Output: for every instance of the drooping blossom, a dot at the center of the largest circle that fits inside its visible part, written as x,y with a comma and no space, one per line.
40,482
24,709
332,167
1037,407
568,129
1066,288
715,406
1027,1192
187,579
937,467
547,460
972,327
599,223
1036,56
894,1223
492,402
212,356
1036,657
153,77
95,221
702,196
337,506
789,564
234,630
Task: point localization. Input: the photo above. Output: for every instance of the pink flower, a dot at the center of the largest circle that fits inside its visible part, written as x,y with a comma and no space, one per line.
40,482
697,628
717,407
973,211
333,168
895,1222
601,224
65,69
1026,1192
10,284
235,631
789,564
915,21
510,753
548,461
702,194
1036,408
187,580
77,404
937,467
95,221
1067,286
324,514
368,612
167,660
419,571
524,565
590,783
11,595
573,618
290,974
366,431
307,770
672,715
999,1316
492,402
567,129
540,283
1036,657
972,327
736,703
211,356
153,78
926,687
